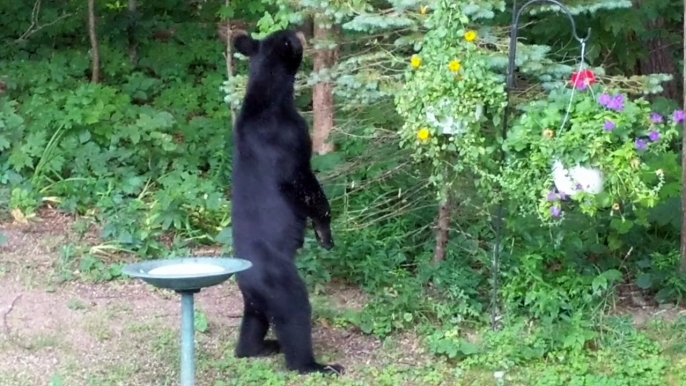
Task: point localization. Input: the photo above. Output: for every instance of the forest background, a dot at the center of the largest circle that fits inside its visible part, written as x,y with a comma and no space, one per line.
119,115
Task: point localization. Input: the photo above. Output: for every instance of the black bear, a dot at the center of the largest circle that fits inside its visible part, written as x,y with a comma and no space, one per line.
274,192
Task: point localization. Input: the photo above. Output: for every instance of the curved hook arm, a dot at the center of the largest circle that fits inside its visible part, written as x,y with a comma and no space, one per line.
514,28
564,9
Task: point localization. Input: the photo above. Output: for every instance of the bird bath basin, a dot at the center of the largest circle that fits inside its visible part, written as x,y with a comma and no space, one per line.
187,276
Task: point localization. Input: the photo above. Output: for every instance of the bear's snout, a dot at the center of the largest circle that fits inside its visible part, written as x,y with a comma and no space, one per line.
302,39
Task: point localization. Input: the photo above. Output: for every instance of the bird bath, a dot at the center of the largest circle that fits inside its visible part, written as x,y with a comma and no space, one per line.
187,276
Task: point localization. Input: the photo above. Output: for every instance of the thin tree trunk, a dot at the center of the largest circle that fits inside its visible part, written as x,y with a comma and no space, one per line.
442,228
95,50
133,42
659,59
683,161
323,101
229,57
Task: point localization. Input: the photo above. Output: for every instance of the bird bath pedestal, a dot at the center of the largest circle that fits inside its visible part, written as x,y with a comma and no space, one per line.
187,277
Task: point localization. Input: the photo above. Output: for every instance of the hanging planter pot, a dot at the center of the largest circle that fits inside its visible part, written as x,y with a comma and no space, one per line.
577,179
446,125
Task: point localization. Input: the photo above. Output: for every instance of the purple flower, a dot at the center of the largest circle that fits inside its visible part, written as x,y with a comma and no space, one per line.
641,144
552,195
563,196
679,116
579,187
656,118
604,99
654,136
609,126
617,103
555,211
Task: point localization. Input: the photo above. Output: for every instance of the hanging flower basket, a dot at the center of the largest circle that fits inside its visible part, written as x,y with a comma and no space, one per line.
596,160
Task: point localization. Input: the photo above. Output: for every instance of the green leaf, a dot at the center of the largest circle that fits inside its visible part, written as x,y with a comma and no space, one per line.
19,159
225,236
327,162
614,242
132,184
4,143
85,136
126,238
226,13
644,281
599,282
56,380
468,348
621,226
666,212
201,322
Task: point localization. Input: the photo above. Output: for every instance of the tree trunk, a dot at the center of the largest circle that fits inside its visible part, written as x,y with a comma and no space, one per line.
133,42
95,50
442,229
322,98
683,162
659,59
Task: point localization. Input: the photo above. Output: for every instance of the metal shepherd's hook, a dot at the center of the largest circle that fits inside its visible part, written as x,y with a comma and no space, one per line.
514,28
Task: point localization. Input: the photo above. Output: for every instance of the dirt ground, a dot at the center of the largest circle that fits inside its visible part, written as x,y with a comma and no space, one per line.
125,332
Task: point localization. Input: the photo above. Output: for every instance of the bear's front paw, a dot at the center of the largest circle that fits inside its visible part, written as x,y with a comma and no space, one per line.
323,235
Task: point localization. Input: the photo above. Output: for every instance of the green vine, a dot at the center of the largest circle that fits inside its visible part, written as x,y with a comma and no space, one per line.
606,131
451,98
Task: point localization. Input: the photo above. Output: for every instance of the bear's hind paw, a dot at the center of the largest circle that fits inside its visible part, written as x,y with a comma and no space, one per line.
269,347
324,369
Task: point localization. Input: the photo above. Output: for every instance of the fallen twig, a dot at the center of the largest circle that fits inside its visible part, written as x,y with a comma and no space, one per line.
8,330
4,317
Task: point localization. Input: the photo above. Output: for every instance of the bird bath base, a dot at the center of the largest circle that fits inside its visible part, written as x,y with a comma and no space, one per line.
187,276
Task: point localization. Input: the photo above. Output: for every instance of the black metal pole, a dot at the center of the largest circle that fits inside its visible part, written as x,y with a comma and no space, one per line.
514,28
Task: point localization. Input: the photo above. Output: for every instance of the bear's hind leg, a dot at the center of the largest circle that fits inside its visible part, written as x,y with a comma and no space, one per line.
292,315
251,342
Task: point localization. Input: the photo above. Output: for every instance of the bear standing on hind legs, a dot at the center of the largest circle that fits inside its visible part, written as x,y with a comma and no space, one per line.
274,192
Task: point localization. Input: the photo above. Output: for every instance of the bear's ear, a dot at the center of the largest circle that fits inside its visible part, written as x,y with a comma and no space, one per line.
246,45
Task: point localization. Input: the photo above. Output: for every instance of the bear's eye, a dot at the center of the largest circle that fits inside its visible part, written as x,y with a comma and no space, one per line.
287,43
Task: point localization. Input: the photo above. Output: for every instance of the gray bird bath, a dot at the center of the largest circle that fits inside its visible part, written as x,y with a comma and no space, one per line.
187,276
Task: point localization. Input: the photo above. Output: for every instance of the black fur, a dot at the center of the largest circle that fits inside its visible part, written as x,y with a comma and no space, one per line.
274,192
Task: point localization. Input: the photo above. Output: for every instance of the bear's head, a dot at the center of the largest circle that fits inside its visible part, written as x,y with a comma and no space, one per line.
280,53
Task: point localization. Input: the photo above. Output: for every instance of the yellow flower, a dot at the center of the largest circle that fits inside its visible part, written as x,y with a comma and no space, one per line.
416,61
424,9
547,133
615,207
470,36
635,163
455,66
423,135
